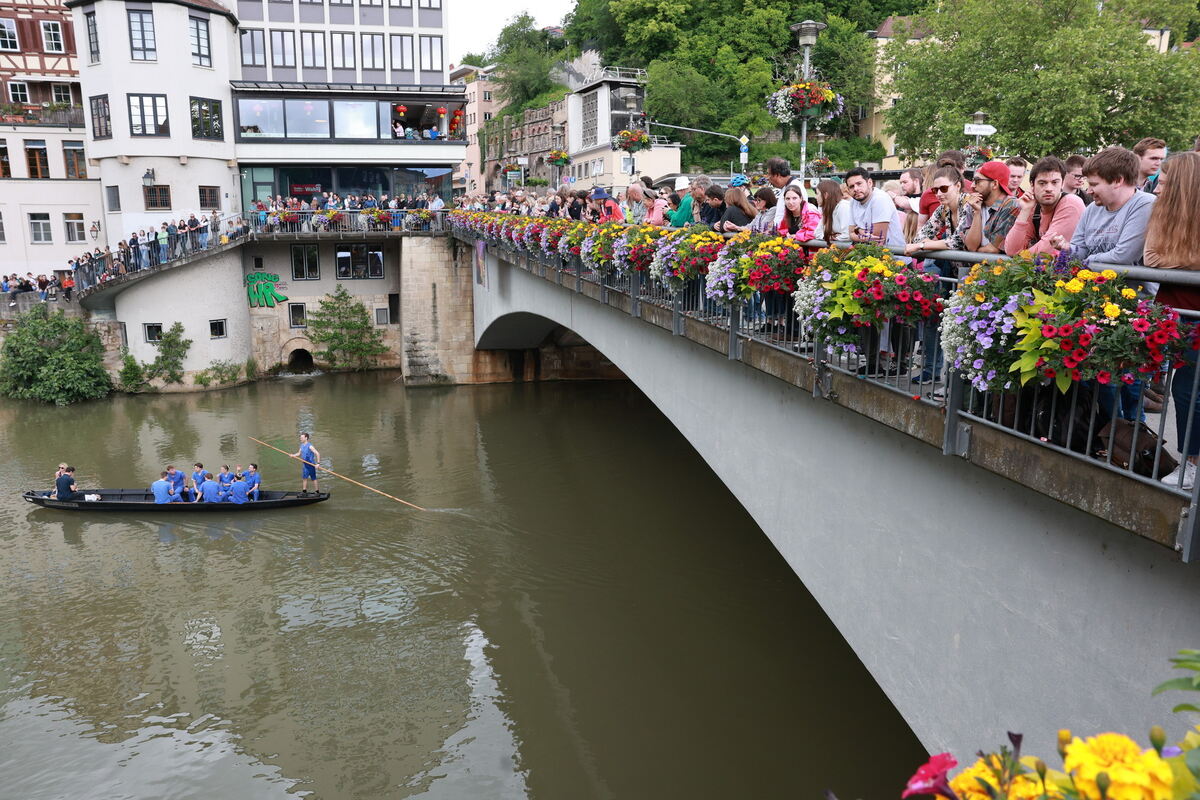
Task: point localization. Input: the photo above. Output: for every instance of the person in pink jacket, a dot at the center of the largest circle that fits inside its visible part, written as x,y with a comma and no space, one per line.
800,219
1047,211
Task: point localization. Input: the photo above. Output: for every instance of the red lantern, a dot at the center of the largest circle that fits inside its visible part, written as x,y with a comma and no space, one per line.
458,112
441,111
401,109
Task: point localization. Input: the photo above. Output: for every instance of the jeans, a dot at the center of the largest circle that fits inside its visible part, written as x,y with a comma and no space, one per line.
162,252
203,240
1187,405
931,339
1123,400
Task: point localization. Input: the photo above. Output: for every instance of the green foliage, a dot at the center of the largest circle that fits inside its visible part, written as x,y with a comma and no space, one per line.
853,150
1068,79
132,377
251,368
342,324
172,349
1189,660
54,359
218,372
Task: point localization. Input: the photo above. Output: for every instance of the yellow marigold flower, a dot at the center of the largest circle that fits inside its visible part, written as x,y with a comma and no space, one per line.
1133,774
1060,284
1086,275
1109,274
1027,786
1128,293
979,298
997,270
1112,310
1074,285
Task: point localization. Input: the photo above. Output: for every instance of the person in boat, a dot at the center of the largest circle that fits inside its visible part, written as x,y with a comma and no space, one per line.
163,491
225,478
197,480
178,482
58,473
238,491
64,484
253,481
210,490
310,456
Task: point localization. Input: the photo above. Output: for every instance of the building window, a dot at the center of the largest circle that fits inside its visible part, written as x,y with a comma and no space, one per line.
61,94
74,227
5,164
210,198
112,198
296,315
370,2
18,92
400,3
429,3
305,265
93,37
148,115
381,316
158,198
341,2
312,49
342,45
39,229
283,49
152,331
402,51
254,49
52,37
201,46
260,117
487,95
431,51
216,329
372,51
101,120
8,35
591,106
2,239
359,261
142,46
75,160
206,119
36,158
487,115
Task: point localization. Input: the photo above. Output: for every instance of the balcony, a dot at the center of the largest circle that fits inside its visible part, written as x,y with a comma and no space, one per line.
41,116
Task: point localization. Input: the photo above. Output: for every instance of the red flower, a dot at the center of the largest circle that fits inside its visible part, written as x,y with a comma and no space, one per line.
1049,331
1049,373
901,279
1085,339
1127,378
930,778
1070,363
902,296
1103,376
1066,344
1079,355
1141,325
1076,375
1066,330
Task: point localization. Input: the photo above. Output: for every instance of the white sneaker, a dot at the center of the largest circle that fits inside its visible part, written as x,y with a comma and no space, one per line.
1189,476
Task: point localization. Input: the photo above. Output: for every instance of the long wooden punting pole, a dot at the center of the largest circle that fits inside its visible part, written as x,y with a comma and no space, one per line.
334,474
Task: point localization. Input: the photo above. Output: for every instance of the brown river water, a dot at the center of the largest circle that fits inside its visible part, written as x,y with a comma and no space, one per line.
583,612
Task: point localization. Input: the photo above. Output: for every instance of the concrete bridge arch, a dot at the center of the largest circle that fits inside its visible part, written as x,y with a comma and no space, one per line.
979,605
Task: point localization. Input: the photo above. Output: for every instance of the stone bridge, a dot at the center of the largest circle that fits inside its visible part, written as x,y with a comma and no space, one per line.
1005,586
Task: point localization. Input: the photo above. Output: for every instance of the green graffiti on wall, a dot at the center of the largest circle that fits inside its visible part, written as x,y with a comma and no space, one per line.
261,291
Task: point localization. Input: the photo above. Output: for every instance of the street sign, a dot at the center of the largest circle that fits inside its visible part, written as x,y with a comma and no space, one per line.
744,156
978,130
745,140
744,149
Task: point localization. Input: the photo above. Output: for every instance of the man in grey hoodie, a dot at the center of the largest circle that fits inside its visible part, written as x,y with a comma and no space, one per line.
1112,229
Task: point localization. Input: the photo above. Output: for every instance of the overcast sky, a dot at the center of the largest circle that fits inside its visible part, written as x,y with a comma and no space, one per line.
475,23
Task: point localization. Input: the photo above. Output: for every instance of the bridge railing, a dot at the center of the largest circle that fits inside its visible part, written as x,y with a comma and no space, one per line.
345,223
1119,428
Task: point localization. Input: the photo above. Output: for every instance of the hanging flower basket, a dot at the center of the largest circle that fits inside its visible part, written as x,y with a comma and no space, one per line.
977,154
811,99
822,164
631,141
559,158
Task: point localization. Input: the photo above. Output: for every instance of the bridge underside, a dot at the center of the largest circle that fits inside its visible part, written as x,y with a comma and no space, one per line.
979,605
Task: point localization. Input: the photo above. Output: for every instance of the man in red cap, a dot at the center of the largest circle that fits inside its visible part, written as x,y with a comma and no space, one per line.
992,208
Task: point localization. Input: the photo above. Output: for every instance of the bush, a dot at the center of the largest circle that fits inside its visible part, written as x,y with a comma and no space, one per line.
54,359
172,349
342,324
251,368
132,377
218,372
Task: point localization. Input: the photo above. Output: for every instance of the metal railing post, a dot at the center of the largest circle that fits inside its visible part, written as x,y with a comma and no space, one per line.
956,438
578,275
735,322
677,314
1187,542
635,291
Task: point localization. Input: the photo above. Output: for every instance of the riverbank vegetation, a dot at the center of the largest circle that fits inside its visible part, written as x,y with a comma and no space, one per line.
341,323
53,358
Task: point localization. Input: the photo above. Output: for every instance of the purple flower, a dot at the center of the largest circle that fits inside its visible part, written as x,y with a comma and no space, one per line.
991,375
977,363
1170,751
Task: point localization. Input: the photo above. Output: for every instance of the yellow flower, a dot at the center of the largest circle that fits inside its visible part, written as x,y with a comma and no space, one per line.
979,298
1060,284
997,270
1128,293
1086,275
1111,310
1133,774
1027,786
1109,274
1074,285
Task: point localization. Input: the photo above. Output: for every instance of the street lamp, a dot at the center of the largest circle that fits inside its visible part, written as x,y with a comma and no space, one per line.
979,117
95,229
806,36
631,103
821,142
148,178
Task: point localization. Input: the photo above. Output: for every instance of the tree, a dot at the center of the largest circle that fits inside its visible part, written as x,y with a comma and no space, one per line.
172,349
1069,78
53,358
342,324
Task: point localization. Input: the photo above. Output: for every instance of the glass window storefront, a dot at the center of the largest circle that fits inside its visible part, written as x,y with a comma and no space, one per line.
306,119
355,119
260,117
302,182
317,118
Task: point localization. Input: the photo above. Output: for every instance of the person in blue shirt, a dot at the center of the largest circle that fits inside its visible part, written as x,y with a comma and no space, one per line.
225,478
177,480
210,490
238,491
253,480
197,480
310,456
64,485
163,493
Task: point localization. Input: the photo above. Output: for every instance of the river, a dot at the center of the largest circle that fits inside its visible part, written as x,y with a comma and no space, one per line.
583,611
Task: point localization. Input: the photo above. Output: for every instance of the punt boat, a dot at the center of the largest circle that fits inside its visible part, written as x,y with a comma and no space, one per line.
143,500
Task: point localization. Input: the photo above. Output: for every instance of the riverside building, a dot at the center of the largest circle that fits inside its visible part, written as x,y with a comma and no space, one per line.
195,106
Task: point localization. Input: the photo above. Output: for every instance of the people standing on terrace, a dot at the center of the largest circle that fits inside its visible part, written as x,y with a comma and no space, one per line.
874,218
681,215
713,206
1113,229
1171,235
991,208
1046,211
1150,152
1016,175
928,201
605,206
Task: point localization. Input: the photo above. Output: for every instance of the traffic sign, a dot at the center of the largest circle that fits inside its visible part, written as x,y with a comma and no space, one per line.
971,129
744,156
744,149
745,140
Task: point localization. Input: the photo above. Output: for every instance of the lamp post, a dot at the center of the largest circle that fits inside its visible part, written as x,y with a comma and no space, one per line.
95,229
556,136
979,118
631,102
806,36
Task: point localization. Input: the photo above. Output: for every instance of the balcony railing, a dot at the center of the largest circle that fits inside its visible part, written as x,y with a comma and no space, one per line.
36,115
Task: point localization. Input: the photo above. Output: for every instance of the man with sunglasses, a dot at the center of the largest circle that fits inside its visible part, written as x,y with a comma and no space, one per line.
991,208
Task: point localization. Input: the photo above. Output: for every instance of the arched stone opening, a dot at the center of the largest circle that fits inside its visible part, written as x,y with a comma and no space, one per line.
300,360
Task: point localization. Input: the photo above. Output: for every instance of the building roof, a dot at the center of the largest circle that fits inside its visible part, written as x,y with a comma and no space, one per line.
890,26
199,5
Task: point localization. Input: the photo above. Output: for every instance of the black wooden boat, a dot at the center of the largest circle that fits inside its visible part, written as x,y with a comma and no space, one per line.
143,500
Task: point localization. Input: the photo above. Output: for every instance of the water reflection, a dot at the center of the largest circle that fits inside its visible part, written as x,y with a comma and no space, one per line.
589,616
